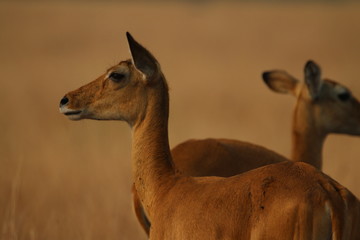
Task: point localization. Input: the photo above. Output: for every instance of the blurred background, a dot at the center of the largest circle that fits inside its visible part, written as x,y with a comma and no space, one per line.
71,180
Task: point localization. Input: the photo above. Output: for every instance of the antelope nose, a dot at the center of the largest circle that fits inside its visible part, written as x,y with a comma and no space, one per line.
266,76
64,101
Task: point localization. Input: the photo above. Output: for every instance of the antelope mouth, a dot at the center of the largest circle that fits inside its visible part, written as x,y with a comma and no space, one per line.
72,113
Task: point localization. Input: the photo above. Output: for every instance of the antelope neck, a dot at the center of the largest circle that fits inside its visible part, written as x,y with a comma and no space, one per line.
151,157
307,140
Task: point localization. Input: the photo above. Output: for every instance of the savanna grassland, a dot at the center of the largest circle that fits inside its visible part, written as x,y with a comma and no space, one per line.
71,180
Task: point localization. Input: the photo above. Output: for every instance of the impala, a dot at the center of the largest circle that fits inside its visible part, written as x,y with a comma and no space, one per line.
286,200
322,107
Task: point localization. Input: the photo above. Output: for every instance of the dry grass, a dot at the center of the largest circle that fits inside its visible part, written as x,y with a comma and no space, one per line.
71,180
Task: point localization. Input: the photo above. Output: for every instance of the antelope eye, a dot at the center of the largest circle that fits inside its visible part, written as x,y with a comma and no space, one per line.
344,96
116,77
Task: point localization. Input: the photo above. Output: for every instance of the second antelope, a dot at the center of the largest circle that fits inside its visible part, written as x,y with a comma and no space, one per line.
322,107
279,201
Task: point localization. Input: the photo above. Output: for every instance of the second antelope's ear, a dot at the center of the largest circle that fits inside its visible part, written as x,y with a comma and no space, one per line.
280,81
313,79
143,60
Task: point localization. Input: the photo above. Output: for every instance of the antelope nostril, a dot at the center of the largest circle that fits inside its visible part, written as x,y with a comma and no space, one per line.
64,101
266,76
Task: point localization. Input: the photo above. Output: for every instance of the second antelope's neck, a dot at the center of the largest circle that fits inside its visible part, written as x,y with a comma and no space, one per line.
151,157
307,140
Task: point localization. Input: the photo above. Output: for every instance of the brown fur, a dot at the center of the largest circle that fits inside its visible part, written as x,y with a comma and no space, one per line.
213,157
279,201
221,157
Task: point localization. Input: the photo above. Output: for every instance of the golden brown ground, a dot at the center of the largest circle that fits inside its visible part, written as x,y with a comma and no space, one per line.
71,180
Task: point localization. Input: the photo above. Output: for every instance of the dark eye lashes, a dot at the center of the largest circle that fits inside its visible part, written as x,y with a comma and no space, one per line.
116,77
344,96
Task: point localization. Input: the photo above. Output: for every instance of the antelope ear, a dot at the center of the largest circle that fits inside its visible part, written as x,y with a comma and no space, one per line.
143,60
280,81
313,79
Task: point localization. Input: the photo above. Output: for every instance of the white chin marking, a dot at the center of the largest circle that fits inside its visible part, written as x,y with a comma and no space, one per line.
70,113
74,117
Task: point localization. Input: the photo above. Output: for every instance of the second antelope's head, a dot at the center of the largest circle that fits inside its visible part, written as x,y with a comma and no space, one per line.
121,93
325,104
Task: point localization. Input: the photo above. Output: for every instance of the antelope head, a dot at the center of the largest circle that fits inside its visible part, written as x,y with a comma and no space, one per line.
118,94
326,104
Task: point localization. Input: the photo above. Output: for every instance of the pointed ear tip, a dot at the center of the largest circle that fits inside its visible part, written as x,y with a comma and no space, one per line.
311,63
128,36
